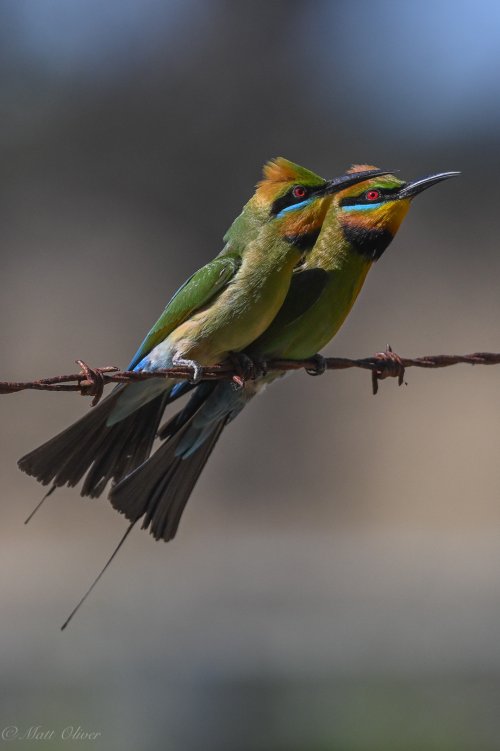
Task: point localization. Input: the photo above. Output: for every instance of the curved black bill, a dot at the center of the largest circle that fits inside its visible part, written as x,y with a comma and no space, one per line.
345,181
417,186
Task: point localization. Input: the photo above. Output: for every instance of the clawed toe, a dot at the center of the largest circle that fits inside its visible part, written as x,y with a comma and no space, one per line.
198,371
320,366
244,366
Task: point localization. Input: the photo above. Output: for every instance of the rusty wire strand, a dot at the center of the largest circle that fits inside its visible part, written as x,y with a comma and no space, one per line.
91,381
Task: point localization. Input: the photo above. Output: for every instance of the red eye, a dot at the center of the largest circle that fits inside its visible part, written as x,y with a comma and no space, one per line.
372,195
299,192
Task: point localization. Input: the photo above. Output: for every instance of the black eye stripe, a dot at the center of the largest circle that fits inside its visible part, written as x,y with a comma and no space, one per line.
289,199
385,195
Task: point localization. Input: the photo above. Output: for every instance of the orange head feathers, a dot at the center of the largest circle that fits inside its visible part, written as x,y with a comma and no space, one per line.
298,199
371,212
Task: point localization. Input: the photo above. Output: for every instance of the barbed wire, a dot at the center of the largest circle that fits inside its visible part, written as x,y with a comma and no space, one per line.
91,381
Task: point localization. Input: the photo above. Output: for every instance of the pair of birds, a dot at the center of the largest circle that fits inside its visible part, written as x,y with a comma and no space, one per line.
293,263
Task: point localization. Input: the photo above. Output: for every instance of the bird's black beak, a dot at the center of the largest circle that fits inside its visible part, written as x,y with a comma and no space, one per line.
417,186
353,178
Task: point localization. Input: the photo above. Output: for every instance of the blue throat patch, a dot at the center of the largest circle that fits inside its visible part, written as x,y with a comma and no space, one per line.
294,206
362,207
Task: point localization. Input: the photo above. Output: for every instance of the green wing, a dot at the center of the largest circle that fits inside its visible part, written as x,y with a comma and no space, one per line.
196,292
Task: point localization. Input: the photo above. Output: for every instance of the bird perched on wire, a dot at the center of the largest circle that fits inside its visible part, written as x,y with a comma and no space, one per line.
361,222
220,309
359,225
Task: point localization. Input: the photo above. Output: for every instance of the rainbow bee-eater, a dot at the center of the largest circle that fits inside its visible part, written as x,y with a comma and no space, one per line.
361,222
221,309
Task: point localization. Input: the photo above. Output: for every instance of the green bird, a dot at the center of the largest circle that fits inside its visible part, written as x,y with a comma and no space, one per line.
361,222
221,309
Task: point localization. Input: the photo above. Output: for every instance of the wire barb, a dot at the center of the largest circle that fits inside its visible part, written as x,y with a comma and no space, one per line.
93,383
393,367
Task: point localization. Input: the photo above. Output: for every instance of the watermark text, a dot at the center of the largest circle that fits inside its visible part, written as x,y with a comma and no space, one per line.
73,733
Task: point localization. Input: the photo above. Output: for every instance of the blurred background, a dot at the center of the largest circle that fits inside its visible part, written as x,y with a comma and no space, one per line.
335,583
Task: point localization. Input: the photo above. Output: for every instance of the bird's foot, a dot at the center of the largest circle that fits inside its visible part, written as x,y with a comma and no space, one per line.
392,367
244,367
196,367
319,367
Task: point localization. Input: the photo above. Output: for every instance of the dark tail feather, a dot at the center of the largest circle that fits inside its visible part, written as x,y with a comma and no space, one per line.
90,446
201,394
160,488
101,572
40,504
